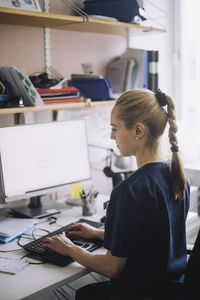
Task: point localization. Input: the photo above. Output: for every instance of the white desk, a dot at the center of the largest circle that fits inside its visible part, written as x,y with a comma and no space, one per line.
36,280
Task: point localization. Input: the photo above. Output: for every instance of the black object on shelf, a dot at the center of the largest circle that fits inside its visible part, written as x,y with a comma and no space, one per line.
153,58
124,11
42,80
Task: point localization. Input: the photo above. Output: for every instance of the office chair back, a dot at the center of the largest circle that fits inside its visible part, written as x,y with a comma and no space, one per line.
190,288
192,274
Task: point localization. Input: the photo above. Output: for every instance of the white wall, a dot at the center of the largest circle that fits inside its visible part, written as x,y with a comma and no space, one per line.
163,42
24,47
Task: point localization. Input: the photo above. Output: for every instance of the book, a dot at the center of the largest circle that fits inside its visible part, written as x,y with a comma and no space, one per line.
55,91
116,73
85,76
146,71
76,99
128,76
60,96
10,228
133,75
141,60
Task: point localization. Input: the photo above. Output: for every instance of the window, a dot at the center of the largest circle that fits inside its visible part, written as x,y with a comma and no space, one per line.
187,50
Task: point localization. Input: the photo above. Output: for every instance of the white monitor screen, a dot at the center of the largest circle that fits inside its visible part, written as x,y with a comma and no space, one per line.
41,156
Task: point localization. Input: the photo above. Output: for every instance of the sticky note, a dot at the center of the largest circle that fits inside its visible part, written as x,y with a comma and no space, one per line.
76,189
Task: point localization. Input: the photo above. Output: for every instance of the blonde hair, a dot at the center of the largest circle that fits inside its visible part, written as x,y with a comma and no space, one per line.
142,106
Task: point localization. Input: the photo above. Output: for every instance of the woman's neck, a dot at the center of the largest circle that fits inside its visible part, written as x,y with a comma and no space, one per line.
147,157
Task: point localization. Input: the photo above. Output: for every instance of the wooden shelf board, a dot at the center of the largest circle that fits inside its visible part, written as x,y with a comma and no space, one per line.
36,19
54,107
75,23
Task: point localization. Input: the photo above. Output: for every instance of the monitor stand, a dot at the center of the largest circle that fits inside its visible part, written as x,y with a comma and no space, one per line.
36,209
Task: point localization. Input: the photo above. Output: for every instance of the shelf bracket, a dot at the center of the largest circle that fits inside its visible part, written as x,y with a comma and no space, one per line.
128,37
47,43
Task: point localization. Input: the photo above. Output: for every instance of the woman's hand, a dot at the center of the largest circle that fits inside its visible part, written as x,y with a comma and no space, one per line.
83,230
59,243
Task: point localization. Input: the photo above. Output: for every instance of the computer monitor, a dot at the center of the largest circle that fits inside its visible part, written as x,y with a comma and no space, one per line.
38,159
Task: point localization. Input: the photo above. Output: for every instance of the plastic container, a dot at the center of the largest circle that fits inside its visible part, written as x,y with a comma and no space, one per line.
124,11
95,88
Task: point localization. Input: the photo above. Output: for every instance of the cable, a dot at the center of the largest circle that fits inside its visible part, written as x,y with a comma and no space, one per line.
18,241
160,9
155,18
39,229
27,237
33,237
74,7
59,225
5,251
30,262
19,249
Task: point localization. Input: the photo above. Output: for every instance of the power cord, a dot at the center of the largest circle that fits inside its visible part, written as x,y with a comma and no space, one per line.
33,236
51,220
6,251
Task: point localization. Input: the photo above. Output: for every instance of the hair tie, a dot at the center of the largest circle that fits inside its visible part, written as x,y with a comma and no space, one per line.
174,148
161,98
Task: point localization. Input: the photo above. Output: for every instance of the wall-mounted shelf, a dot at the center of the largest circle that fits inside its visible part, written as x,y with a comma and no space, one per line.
77,23
67,22
54,107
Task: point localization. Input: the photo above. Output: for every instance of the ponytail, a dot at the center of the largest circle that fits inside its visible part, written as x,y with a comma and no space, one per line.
178,176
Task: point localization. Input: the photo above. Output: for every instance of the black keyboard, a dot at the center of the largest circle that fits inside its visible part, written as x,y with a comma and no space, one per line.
37,251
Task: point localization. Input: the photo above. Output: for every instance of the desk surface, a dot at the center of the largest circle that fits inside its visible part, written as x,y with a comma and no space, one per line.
35,280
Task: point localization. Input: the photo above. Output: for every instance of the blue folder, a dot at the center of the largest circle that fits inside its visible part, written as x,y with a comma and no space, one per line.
11,228
96,89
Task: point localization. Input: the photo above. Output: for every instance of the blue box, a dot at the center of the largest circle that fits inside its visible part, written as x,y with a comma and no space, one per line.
124,11
95,88
4,100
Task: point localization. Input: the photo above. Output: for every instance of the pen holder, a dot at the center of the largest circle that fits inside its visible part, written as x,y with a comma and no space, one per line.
89,206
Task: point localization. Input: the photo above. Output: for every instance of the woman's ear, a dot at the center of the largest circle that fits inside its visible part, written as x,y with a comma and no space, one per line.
140,129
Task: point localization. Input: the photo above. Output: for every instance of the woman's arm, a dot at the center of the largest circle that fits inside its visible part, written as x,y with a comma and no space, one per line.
105,264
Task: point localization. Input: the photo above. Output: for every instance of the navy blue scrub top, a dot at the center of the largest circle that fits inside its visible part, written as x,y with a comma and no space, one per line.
147,225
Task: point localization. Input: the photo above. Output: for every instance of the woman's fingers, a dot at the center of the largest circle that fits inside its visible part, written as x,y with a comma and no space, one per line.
75,227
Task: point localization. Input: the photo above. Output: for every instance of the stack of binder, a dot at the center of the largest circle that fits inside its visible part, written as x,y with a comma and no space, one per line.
135,68
121,74
61,95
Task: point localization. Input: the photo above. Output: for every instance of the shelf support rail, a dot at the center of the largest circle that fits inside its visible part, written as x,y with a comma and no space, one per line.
47,43
77,9
47,32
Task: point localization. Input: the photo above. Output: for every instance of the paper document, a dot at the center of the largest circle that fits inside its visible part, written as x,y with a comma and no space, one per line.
12,265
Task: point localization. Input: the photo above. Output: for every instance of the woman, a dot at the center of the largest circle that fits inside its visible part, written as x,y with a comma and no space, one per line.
145,222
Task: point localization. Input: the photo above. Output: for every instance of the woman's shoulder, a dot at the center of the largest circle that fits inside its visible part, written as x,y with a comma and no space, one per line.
145,178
